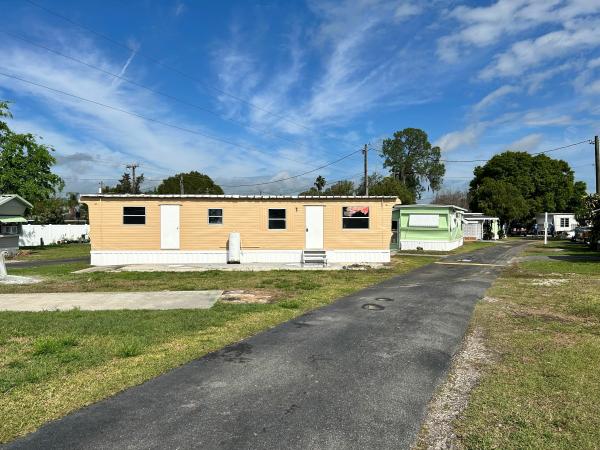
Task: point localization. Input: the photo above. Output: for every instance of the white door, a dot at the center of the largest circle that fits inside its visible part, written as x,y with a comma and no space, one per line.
169,227
314,227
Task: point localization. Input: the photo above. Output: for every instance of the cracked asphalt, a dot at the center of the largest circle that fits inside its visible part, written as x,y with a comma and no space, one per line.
340,377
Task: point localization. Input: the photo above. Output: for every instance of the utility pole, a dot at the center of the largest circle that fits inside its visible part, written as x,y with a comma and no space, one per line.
101,189
366,153
181,190
133,166
597,145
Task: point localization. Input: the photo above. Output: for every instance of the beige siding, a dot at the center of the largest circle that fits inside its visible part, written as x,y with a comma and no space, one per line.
248,217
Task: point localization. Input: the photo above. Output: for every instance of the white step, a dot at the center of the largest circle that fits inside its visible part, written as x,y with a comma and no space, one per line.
314,257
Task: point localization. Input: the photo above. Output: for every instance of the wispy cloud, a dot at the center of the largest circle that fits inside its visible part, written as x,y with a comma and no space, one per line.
346,76
161,150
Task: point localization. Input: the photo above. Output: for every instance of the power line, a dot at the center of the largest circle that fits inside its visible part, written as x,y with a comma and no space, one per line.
124,111
167,66
167,124
140,85
536,153
294,176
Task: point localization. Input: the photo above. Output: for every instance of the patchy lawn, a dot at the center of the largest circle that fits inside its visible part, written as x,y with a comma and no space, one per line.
541,324
52,363
57,251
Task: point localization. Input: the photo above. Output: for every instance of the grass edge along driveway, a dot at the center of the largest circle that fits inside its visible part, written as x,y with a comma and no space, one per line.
52,363
541,388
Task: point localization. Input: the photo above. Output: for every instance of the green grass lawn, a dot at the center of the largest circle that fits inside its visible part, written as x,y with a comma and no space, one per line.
58,251
52,363
543,325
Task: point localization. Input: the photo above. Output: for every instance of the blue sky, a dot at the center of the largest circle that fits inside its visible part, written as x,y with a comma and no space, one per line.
264,90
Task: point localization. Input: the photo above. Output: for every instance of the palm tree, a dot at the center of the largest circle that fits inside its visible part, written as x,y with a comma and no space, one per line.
320,183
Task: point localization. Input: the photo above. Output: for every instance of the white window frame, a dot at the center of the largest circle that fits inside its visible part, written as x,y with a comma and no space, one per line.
214,216
134,215
565,222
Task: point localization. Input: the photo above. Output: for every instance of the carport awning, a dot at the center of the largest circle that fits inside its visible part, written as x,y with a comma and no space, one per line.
12,219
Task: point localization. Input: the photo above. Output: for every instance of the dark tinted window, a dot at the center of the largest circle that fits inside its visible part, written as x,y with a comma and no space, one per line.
276,219
134,215
215,216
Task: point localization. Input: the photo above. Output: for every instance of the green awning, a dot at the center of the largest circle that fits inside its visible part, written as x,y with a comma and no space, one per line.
13,219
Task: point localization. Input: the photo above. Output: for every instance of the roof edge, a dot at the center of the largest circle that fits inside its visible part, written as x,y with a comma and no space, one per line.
236,196
13,196
428,205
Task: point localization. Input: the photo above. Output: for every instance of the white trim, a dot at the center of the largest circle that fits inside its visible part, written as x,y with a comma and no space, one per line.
84,197
116,258
440,246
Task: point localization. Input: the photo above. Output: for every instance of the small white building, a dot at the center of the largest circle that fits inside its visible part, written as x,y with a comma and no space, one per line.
475,225
12,210
563,222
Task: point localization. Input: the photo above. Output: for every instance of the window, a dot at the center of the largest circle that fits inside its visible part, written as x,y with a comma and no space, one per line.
424,220
276,219
215,216
10,229
355,217
394,231
134,215
564,222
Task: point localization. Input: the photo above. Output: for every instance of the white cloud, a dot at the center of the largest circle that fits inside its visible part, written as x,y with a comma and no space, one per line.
527,143
120,137
406,10
344,79
493,97
461,138
529,53
485,26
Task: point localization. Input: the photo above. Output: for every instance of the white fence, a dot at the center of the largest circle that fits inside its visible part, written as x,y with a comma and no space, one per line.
51,234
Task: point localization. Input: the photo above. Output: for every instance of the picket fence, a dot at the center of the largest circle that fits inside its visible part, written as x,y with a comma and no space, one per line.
51,234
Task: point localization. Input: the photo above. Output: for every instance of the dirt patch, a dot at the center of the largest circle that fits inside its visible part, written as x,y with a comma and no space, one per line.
490,300
547,315
250,296
550,282
452,397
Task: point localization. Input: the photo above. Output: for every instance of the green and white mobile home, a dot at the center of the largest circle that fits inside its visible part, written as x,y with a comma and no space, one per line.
427,227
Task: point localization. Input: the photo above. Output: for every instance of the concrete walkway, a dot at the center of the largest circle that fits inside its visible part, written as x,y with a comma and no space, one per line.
96,301
357,374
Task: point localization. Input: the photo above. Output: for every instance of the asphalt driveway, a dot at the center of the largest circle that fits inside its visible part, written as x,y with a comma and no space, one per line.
349,375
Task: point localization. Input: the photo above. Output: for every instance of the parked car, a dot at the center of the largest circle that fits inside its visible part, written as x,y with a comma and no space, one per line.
582,234
518,229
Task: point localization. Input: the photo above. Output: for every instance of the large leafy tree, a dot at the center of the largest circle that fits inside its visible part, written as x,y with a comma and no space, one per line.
412,159
342,187
544,183
500,198
25,164
193,183
381,185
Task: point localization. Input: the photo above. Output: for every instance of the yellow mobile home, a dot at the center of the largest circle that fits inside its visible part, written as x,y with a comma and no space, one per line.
194,229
